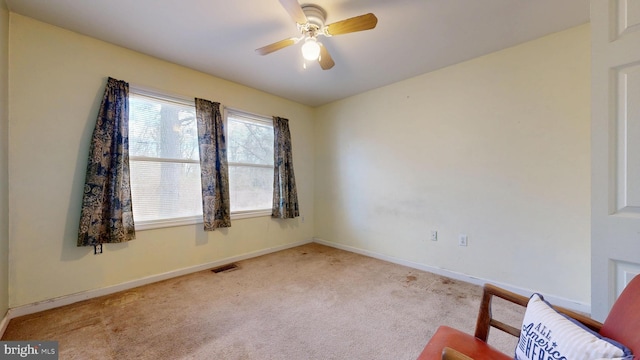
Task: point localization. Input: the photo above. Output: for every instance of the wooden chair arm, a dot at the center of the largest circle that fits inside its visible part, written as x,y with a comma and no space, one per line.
451,354
486,321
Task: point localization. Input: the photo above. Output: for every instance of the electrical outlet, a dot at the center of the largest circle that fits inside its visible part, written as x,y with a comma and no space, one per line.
97,249
434,235
463,240
302,218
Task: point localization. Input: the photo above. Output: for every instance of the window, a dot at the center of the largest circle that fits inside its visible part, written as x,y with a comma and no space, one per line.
165,165
164,160
250,156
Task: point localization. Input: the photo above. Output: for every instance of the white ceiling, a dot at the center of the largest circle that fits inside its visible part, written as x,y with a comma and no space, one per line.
218,37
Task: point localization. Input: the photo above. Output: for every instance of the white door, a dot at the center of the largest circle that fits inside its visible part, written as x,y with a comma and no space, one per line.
615,149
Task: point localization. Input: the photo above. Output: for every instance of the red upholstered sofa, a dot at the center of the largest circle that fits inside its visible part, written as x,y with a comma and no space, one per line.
622,325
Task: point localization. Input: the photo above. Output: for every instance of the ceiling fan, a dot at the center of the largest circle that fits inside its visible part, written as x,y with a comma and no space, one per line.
310,21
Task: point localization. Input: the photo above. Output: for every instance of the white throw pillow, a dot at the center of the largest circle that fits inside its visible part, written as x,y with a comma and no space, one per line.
548,335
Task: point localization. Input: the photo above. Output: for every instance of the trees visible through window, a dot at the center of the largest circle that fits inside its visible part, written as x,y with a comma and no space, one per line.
163,153
165,167
250,156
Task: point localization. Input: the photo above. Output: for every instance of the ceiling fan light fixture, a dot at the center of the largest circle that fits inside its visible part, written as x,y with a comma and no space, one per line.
310,21
310,49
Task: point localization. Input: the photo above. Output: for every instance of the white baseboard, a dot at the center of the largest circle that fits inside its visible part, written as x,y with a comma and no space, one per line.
90,294
556,300
4,323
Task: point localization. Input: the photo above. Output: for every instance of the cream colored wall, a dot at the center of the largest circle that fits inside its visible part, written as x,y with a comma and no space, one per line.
4,189
496,148
57,80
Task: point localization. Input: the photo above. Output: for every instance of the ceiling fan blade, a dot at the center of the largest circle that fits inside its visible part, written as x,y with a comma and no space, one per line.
325,60
358,23
295,11
276,46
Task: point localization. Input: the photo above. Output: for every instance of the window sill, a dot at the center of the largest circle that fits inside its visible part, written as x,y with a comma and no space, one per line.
249,214
192,220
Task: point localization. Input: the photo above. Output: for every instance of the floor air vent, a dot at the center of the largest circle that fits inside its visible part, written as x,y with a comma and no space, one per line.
225,268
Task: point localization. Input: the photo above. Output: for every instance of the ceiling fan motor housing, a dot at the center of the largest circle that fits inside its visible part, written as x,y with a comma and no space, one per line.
315,15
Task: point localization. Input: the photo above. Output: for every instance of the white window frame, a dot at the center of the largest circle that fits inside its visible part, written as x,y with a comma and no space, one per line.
259,119
196,219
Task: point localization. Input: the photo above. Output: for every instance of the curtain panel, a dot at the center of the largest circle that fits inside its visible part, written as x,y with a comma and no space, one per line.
106,215
285,195
214,171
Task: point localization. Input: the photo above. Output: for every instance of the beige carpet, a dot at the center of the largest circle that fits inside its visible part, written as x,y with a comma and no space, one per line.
309,302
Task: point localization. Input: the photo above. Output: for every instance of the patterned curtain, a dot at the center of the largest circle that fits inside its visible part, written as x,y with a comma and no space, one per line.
285,195
213,166
107,215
